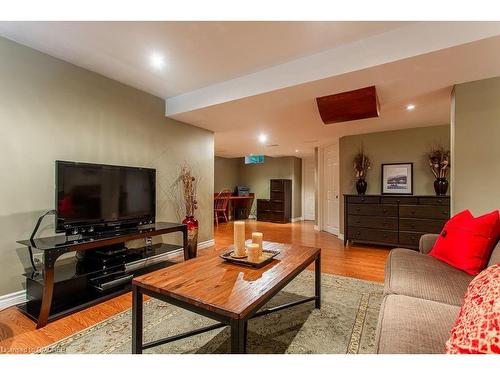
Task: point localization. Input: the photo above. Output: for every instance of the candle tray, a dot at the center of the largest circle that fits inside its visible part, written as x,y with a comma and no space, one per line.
266,257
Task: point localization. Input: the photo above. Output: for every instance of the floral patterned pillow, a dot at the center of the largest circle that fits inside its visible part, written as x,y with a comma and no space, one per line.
477,329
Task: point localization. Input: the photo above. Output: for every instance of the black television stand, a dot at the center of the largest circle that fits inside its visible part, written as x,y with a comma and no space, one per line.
74,284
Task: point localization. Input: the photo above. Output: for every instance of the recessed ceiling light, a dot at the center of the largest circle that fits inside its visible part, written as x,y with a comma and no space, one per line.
157,61
262,138
410,107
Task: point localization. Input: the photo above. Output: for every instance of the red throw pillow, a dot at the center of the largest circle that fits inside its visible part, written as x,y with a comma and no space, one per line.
466,242
477,329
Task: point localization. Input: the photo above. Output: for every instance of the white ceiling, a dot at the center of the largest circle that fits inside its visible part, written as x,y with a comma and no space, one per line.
290,116
197,54
411,40
239,79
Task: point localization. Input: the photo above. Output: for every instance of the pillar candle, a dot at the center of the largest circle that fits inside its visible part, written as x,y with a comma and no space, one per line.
253,252
257,238
239,238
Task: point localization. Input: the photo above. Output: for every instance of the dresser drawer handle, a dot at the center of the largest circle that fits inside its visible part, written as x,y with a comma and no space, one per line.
358,209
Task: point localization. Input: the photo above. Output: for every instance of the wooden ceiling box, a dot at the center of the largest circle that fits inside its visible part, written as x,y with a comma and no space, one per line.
349,105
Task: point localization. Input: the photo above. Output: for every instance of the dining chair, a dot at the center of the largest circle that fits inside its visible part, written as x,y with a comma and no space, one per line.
221,200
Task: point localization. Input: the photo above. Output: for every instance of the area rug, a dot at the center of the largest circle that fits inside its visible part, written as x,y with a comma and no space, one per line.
346,323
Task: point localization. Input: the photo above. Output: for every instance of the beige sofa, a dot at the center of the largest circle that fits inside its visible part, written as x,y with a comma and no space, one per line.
422,298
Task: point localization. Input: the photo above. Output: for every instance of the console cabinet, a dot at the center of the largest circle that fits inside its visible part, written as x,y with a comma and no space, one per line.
278,209
396,221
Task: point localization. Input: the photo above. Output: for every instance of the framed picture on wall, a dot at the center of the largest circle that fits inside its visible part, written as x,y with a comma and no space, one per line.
397,178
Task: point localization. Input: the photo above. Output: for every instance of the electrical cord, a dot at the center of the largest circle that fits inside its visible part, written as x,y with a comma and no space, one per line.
32,237
51,212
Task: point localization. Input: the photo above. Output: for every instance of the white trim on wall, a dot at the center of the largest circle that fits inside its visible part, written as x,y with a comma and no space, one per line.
16,298
303,190
294,219
205,244
452,148
12,299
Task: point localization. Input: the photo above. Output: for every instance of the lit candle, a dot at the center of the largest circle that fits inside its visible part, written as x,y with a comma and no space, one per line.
257,239
253,252
239,238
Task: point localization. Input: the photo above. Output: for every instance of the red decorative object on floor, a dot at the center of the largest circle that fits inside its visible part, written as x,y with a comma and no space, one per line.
477,329
466,242
192,226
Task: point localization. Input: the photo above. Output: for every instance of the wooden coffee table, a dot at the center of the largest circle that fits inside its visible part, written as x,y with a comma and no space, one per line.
228,293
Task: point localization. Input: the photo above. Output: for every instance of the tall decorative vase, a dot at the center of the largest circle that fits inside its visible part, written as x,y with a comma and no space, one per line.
441,186
192,226
361,186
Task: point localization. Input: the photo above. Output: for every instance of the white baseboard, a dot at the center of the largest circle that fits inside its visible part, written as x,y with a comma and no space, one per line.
16,298
252,217
205,244
340,236
297,219
316,228
12,299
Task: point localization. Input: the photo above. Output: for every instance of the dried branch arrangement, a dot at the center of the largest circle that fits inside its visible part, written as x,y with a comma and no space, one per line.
189,187
439,161
361,164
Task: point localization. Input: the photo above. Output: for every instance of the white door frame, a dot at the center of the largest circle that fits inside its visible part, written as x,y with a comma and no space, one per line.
321,187
319,183
303,213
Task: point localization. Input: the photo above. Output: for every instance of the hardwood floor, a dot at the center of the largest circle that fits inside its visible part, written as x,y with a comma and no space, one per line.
19,335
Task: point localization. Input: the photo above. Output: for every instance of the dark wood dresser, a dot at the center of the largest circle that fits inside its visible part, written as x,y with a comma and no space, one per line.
396,221
278,209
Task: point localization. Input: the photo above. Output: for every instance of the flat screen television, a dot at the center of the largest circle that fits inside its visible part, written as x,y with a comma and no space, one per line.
98,197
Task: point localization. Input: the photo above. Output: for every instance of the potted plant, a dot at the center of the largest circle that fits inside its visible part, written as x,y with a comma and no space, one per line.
189,185
361,166
439,162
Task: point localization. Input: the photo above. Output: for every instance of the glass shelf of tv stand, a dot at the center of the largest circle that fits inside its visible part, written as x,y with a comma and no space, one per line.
72,268
62,241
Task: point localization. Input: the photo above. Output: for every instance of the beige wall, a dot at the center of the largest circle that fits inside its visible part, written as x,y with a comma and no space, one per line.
257,176
226,173
399,146
476,146
49,110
